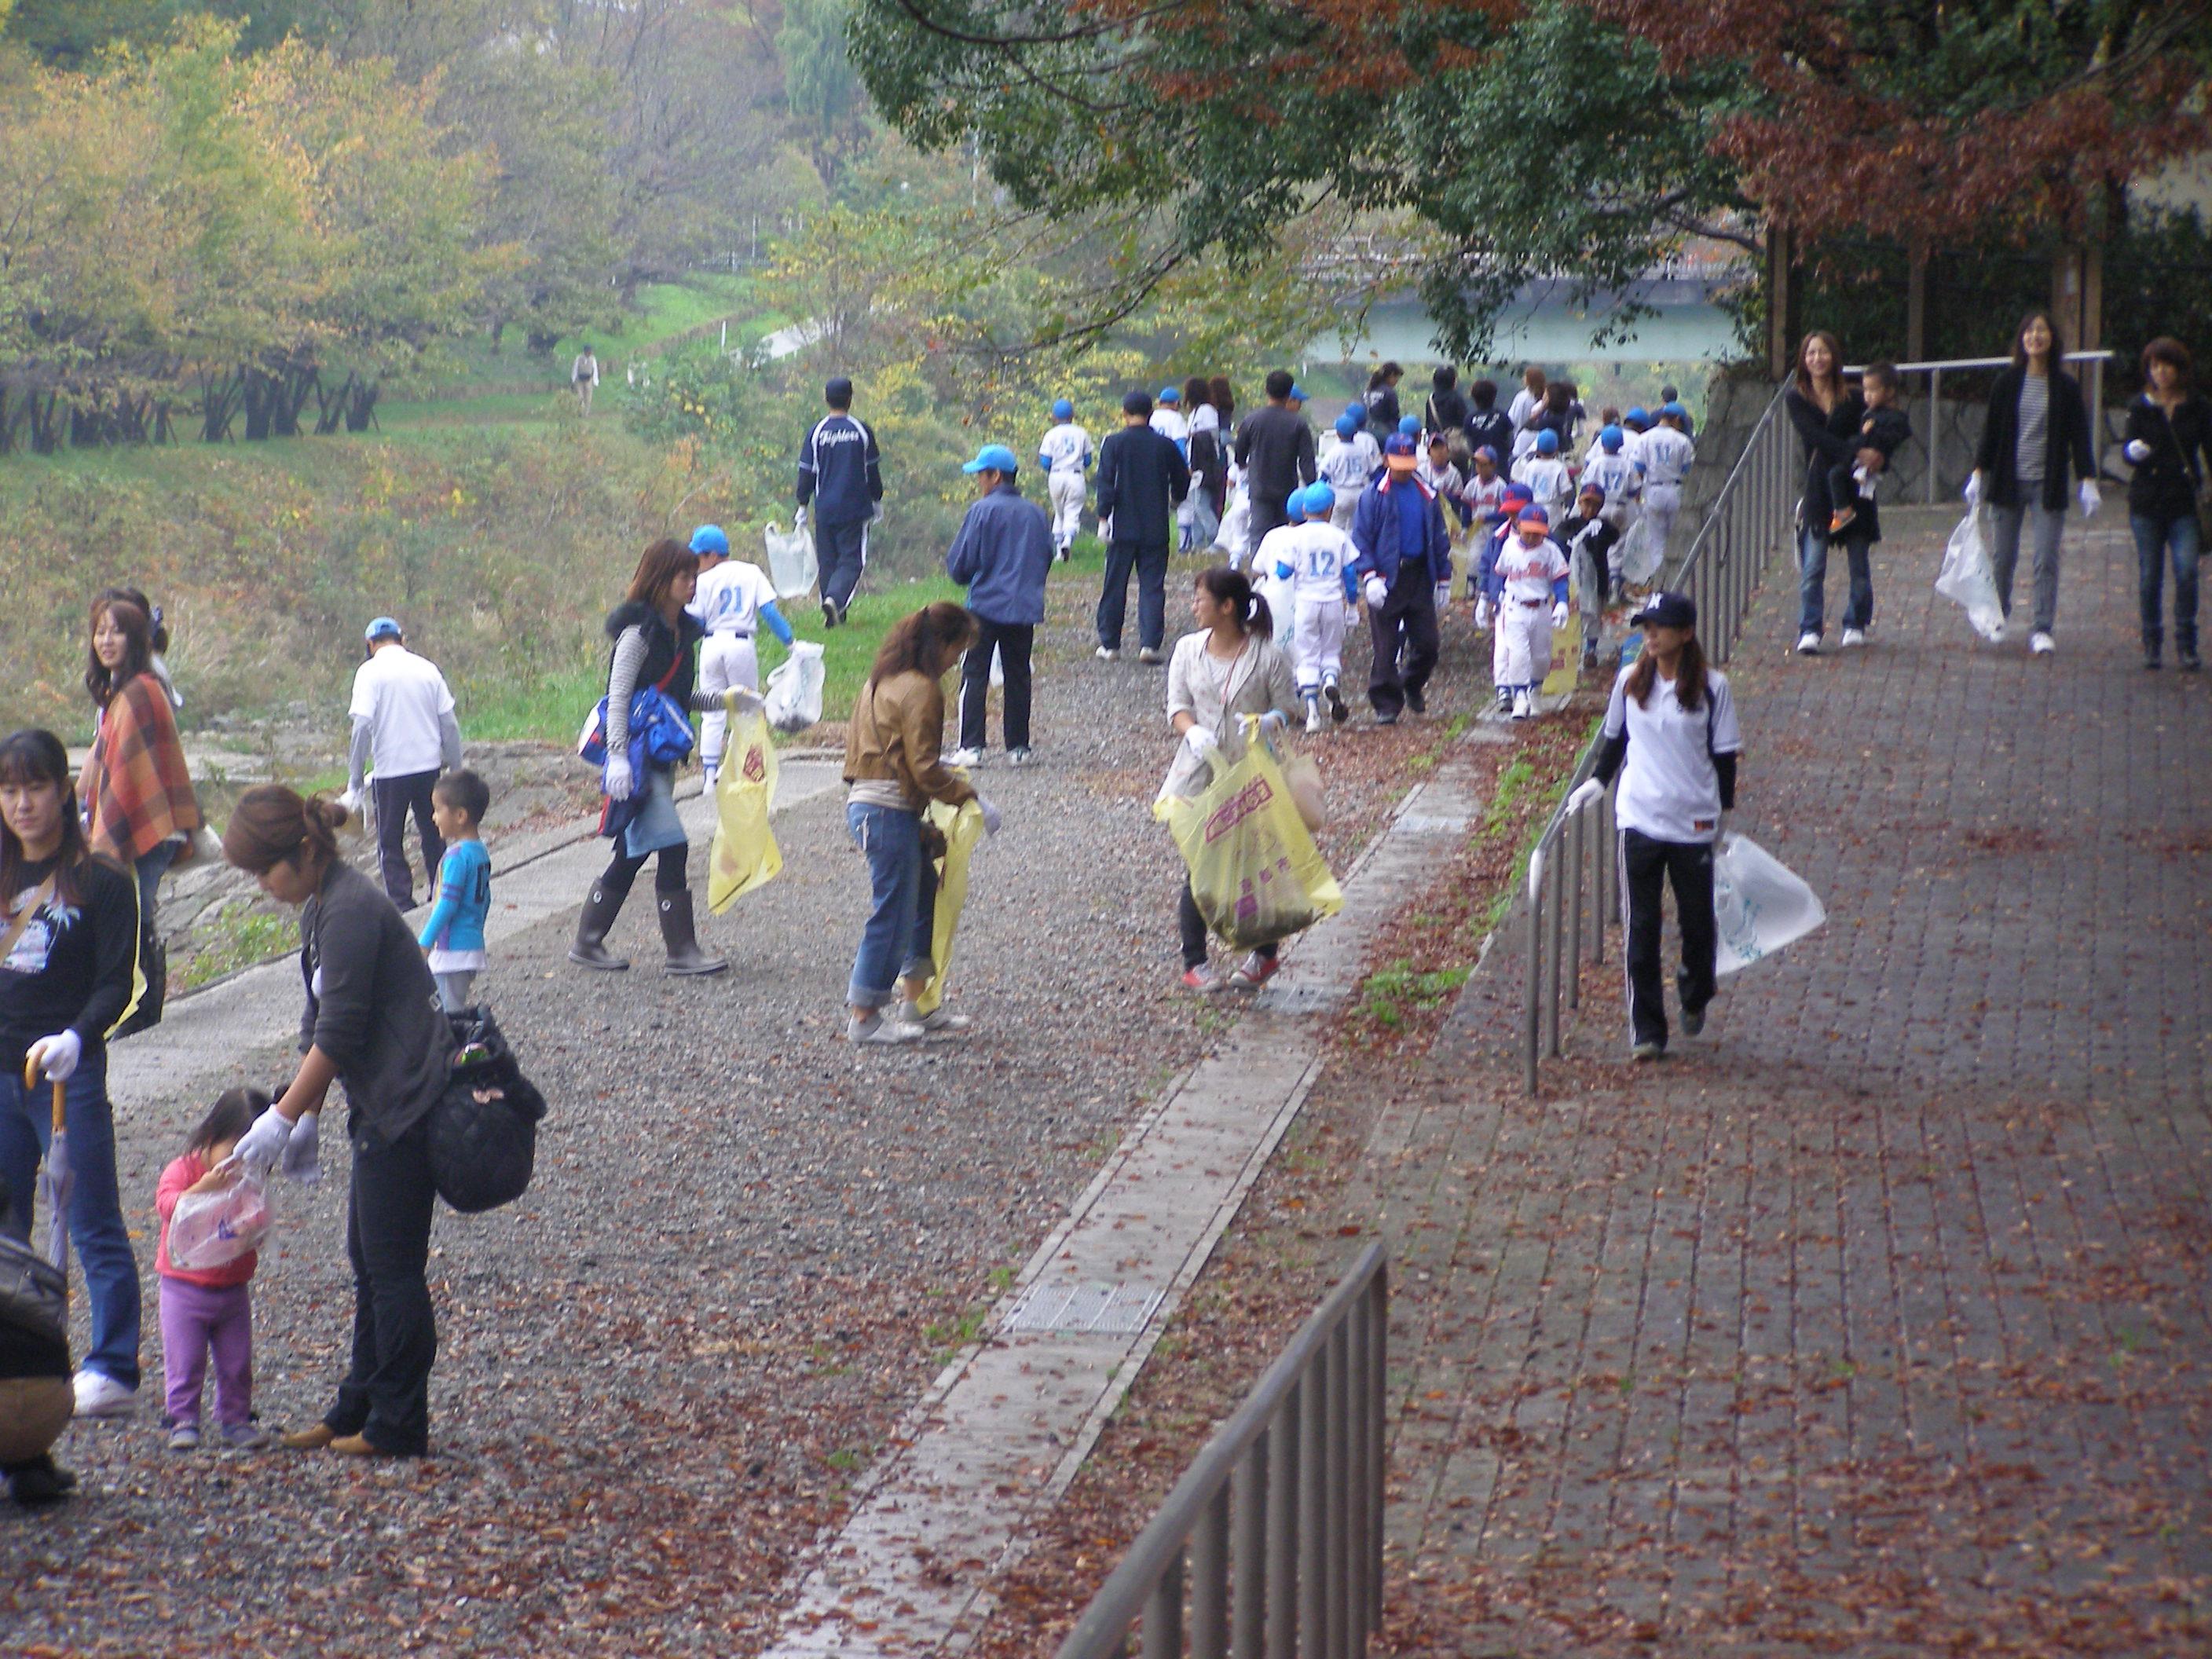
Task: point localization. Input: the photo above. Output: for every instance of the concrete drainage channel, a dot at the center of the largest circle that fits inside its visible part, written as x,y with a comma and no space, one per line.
1002,1431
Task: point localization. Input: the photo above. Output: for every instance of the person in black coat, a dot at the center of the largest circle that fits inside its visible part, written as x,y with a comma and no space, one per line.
2169,443
1142,476
1827,415
1487,424
1448,410
2036,427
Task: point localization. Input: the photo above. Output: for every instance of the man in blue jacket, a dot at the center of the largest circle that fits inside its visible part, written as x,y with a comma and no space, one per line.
1141,478
840,472
1405,555
1001,556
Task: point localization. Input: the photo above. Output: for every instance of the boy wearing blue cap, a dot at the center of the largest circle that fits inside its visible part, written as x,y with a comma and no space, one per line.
1664,454
733,601
1403,553
1611,471
1529,584
1315,558
1002,555
1169,420
1350,460
1065,455
1544,468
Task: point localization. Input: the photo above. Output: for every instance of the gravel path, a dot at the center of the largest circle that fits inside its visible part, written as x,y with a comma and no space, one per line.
748,1246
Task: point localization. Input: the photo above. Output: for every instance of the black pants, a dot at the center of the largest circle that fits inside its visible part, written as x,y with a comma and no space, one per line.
386,1395
1013,641
1645,865
1268,512
1150,562
1403,631
395,798
841,551
1194,929
668,876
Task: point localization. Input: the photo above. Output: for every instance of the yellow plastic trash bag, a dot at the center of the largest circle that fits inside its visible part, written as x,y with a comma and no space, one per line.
962,828
746,854
1254,870
1567,657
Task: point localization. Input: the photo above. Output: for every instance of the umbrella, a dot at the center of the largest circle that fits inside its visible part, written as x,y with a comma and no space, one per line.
54,1180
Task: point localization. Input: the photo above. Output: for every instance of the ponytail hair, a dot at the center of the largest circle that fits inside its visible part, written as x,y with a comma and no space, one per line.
272,824
1233,590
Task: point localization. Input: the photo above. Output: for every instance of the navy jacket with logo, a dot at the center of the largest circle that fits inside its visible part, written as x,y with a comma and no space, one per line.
840,470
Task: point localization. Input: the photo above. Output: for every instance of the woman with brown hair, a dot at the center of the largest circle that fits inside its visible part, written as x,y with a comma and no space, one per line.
372,1023
654,645
1827,415
892,772
1209,466
2169,443
2036,427
138,803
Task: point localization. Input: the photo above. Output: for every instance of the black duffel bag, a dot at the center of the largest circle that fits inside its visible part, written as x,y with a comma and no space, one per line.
484,1130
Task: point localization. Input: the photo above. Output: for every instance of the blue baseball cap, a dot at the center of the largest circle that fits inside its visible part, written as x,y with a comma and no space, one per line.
1534,514
1347,426
1170,394
1319,500
1398,444
1672,412
1409,426
1295,508
1667,610
382,628
1547,442
710,538
1593,489
1356,411
1297,393
1486,453
1063,410
1638,415
1612,437
993,458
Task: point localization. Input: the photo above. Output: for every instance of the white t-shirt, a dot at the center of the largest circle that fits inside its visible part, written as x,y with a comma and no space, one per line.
730,597
1318,556
1275,548
1669,788
1205,418
404,698
1065,449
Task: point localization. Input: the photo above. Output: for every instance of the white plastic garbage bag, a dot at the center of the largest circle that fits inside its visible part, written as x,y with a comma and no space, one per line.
1640,553
1969,580
794,690
1235,527
791,564
209,1230
1760,904
1282,609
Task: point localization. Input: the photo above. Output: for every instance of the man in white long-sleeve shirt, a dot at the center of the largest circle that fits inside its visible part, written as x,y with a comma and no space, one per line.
403,725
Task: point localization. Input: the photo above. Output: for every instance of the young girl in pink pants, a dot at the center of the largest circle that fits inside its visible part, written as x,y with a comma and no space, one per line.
208,1311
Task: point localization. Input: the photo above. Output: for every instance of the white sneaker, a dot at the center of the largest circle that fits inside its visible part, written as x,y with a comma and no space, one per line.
1107,653
101,1395
1853,636
2040,644
1021,758
939,1021
1313,716
878,1030
967,758
1808,645
1524,705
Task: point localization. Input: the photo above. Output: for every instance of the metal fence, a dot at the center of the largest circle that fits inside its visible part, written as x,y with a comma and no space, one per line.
1271,1545
2092,363
1573,885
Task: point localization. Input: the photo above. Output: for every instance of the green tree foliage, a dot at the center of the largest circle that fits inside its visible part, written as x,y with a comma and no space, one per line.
827,103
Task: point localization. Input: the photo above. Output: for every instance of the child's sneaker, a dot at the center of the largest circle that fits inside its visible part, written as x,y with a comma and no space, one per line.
1524,705
1201,979
184,1437
1313,716
1337,709
1853,636
1255,971
878,1030
242,1437
1842,520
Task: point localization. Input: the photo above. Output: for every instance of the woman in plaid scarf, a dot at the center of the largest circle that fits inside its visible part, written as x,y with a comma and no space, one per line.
138,803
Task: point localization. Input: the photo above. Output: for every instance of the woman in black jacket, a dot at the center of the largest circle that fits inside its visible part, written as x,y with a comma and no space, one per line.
2036,427
2169,441
655,642
372,1023
1827,414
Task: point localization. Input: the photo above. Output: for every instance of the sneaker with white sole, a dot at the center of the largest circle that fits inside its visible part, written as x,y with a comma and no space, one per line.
1645,1051
939,1021
1853,636
1808,645
2040,644
1021,758
1255,971
1107,653
1313,716
184,1437
1523,706
1201,979
99,1395
244,1436
1151,656
1337,709
966,758
876,1029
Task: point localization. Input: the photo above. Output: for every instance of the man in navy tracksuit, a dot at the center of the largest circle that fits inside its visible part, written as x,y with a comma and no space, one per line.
1141,478
1405,555
840,472
1002,556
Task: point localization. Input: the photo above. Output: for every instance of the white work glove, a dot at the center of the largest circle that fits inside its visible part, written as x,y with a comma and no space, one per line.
1444,597
2091,498
1720,827
619,783
738,699
799,520
1584,793
2137,451
991,817
1201,743
351,801
1482,613
1973,491
1375,590
57,1056
263,1143
1559,613
302,1151
1275,723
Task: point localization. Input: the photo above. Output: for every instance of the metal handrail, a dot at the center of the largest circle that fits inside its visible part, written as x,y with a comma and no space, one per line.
1573,856
1934,369
1275,1535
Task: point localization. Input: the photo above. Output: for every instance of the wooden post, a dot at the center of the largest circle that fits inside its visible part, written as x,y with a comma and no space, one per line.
1781,300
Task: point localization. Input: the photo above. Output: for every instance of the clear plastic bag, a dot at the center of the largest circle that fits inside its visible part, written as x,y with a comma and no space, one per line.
1969,580
792,568
794,690
212,1230
1640,553
1760,904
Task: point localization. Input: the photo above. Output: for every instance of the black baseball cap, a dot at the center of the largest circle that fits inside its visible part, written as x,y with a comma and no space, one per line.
1137,403
838,392
1667,610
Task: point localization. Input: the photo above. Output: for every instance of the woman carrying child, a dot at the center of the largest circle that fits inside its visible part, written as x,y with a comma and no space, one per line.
208,1308
1828,415
2038,426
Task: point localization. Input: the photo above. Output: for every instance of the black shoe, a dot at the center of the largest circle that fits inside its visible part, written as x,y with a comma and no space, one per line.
40,1480
1417,700
685,959
1337,710
1390,719
1648,1049
2150,662
1693,1021
598,920
830,615
2190,663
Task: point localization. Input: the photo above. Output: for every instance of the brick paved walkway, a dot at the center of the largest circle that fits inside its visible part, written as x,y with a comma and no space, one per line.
1876,1320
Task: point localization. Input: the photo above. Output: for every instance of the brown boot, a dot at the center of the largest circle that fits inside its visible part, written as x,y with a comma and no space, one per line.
598,920
355,1445
314,1437
684,956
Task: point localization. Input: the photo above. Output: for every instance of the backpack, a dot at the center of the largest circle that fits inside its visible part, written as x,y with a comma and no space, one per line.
483,1129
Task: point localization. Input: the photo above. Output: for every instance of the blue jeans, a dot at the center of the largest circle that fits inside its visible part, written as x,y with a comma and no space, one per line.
1812,583
95,1211
901,929
150,868
2179,536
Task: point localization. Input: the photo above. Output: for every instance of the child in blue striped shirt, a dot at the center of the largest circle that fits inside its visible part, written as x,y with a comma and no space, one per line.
454,934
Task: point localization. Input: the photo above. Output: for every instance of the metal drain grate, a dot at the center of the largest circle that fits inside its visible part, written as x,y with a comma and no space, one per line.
1103,1309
